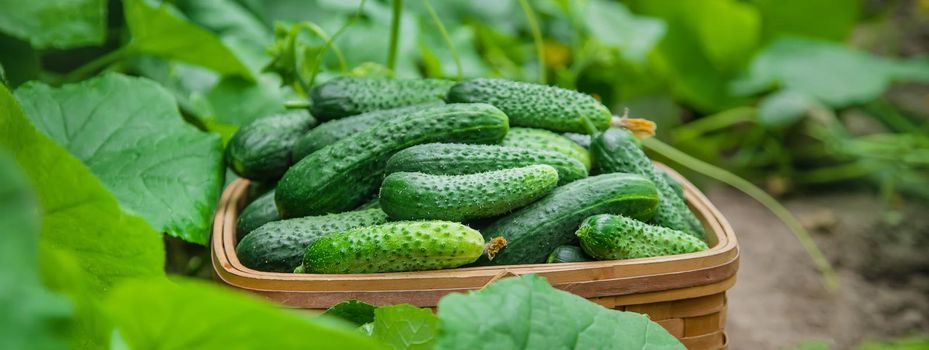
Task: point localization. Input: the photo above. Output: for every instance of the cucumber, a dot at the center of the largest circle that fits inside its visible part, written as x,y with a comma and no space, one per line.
534,105
567,254
459,159
395,246
535,230
257,213
343,175
329,132
546,140
256,189
677,186
617,150
610,237
260,150
582,140
415,196
278,246
345,96
373,203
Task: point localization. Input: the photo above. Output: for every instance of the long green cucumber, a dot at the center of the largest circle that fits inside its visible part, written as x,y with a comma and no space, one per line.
278,246
546,140
345,96
334,130
535,230
260,150
535,105
460,159
415,196
567,254
343,175
259,212
617,150
395,246
609,237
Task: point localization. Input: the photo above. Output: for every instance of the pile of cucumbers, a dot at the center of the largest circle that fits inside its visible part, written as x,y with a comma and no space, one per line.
384,175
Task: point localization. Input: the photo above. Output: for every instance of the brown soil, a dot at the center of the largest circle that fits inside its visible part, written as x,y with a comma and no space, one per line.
779,300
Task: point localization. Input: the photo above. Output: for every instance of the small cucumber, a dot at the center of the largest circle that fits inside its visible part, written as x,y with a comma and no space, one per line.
334,130
415,196
343,175
617,150
257,213
546,140
677,186
395,246
261,150
278,246
460,159
567,254
534,105
535,230
345,96
582,140
610,237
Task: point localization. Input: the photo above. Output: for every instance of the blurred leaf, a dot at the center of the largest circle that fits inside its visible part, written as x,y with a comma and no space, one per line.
33,317
57,24
161,30
191,314
80,216
692,56
527,313
919,342
613,24
237,101
129,133
438,59
824,19
783,108
20,62
240,31
831,73
354,311
405,326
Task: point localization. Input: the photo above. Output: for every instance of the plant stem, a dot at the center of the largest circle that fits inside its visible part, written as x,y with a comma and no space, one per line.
349,23
825,268
89,68
536,37
445,36
394,35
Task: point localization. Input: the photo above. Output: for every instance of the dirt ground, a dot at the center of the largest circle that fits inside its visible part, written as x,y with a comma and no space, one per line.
779,301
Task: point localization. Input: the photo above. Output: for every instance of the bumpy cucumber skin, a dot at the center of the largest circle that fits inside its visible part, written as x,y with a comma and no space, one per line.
678,188
534,105
261,150
418,196
257,213
395,246
535,230
611,237
546,140
343,175
345,96
582,140
461,159
334,130
567,254
617,150
279,246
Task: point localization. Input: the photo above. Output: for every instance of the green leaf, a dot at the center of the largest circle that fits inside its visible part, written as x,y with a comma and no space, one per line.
190,314
527,313
612,24
354,311
80,216
33,317
57,24
238,101
405,326
160,30
728,32
784,108
20,62
129,133
836,75
824,19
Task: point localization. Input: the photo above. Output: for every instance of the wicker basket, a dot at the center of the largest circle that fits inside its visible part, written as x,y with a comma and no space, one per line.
684,293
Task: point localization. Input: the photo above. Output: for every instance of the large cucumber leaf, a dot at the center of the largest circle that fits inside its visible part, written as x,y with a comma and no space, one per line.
55,23
129,133
527,313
